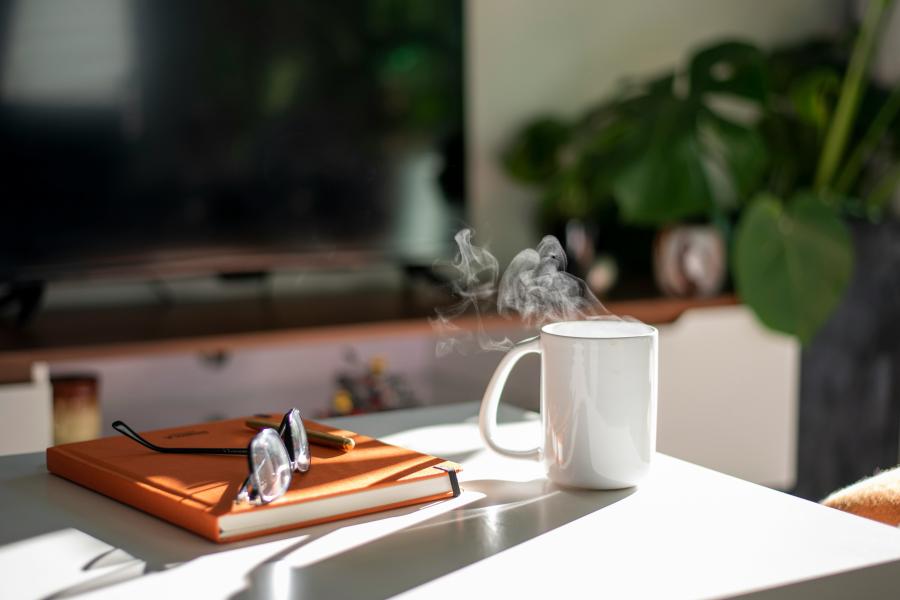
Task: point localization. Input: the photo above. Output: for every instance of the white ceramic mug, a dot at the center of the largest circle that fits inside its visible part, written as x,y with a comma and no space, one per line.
598,402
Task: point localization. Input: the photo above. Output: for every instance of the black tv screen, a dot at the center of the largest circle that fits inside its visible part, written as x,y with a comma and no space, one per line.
221,136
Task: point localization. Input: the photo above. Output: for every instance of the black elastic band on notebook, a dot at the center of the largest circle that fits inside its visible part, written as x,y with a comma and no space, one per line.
454,481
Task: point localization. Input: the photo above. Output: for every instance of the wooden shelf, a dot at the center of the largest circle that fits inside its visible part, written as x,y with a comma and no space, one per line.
97,333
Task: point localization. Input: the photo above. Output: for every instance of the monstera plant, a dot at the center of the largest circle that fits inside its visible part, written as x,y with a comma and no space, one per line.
662,153
738,137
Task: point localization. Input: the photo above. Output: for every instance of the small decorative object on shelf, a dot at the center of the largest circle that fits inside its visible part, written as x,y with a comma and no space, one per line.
602,276
690,261
363,388
76,408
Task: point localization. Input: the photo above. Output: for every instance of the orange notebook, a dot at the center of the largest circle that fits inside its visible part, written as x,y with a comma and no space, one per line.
197,492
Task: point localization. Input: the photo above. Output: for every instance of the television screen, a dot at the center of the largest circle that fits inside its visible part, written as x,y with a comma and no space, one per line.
223,136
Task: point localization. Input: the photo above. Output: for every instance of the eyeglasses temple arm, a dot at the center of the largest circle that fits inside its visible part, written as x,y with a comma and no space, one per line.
127,431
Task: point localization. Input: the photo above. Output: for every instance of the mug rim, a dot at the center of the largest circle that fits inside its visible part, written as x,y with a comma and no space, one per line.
647,330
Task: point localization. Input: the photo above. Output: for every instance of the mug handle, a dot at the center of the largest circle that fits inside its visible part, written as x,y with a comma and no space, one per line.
487,419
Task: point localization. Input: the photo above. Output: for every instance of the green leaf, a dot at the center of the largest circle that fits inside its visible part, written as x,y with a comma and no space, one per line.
792,263
567,195
814,96
734,68
742,151
665,182
604,152
841,125
875,134
534,154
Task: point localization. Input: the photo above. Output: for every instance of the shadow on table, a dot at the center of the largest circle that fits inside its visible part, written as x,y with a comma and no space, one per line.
374,556
56,504
509,514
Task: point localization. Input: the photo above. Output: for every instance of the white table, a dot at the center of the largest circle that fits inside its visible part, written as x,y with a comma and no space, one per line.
687,532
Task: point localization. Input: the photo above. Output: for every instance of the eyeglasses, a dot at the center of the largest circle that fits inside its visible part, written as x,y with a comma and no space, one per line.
272,457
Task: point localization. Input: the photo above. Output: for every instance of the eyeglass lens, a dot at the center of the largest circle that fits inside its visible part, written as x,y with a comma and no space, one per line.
270,465
298,443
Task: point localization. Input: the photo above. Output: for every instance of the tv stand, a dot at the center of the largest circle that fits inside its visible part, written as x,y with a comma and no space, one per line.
204,327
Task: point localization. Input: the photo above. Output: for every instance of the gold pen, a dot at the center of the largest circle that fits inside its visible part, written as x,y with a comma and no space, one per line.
320,438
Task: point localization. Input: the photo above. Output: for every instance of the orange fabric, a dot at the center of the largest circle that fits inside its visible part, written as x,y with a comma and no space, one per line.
876,498
194,491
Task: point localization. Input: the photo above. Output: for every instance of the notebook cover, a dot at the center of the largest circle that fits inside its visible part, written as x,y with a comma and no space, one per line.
194,491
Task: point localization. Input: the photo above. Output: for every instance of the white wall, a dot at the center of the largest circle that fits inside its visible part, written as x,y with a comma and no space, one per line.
527,57
728,390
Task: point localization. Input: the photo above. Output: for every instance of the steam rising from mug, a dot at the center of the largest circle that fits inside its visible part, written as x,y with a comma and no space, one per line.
535,288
